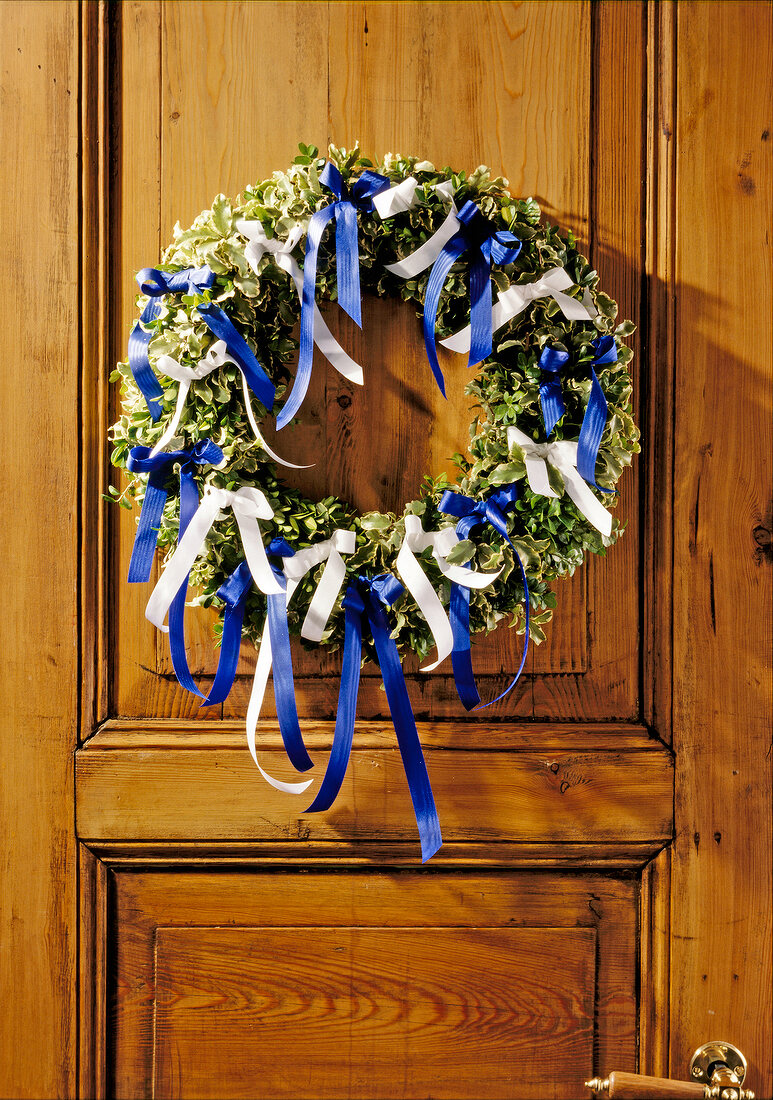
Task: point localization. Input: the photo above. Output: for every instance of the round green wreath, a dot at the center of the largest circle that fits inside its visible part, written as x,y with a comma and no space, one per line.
550,534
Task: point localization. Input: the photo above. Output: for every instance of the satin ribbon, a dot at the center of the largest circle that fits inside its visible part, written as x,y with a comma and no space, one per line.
550,394
471,514
159,468
486,245
442,542
296,566
563,454
364,604
594,421
238,348
233,592
155,284
516,298
248,505
216,357
281,253
349,201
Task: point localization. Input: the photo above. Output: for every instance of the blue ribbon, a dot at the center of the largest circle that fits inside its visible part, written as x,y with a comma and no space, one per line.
349,202
238,348
594,421
486,244
282,664
364,605
155,284
471,514
233,592
551,398
159,468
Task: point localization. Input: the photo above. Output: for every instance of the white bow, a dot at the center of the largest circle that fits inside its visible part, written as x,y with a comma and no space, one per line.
397,199
320,608
416,540
515,299
217,356
259,246
248,505
563,455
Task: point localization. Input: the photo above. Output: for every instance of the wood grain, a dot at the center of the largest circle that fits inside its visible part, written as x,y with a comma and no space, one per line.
347,909
422,1011
523,795
39,498
722,956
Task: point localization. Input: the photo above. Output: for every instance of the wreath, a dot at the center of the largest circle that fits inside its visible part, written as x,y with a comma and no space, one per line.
228,313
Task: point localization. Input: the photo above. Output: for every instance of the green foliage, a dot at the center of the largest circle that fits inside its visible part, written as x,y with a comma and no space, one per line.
551,536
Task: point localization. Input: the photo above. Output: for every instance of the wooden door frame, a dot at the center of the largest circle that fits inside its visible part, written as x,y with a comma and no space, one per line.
40,1057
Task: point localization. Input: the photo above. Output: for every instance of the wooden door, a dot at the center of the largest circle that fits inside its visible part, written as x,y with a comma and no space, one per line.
602,899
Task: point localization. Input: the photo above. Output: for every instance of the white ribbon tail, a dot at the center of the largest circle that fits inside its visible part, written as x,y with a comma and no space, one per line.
259,684
255,553
181,562
589,505
426,254
428,603
169,434
259,435
537,476
323,337
469,578
323,599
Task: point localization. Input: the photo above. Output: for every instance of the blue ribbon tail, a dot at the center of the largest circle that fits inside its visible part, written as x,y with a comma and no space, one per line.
437,277
257,379
347,704
234,594
592,429
407,735
480,309
461,657
189,502
139,363
348,261
517,676
552,401
284,686
147,534
300,386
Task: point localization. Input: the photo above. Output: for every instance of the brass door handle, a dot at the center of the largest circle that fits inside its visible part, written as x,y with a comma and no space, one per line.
717,1072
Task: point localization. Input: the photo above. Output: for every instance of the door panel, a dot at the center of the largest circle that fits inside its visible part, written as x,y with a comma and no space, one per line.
435,93
366,983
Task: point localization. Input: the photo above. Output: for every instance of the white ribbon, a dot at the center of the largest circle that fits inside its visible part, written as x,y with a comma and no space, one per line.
259,246
515,299
426,254
249,505
416,540
320,608
397,199
563,455
217,356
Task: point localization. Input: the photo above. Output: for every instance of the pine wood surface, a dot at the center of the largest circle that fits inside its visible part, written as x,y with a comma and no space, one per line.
39,546
580,671
242,921
722,954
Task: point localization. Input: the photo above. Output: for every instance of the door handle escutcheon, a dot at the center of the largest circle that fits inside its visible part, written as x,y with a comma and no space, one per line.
717,1072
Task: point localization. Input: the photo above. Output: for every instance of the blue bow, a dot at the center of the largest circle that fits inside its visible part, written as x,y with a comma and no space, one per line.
155,284
487,244
238,348
364,604
281,656
551,398
472,514
594,421
235,589
349,201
